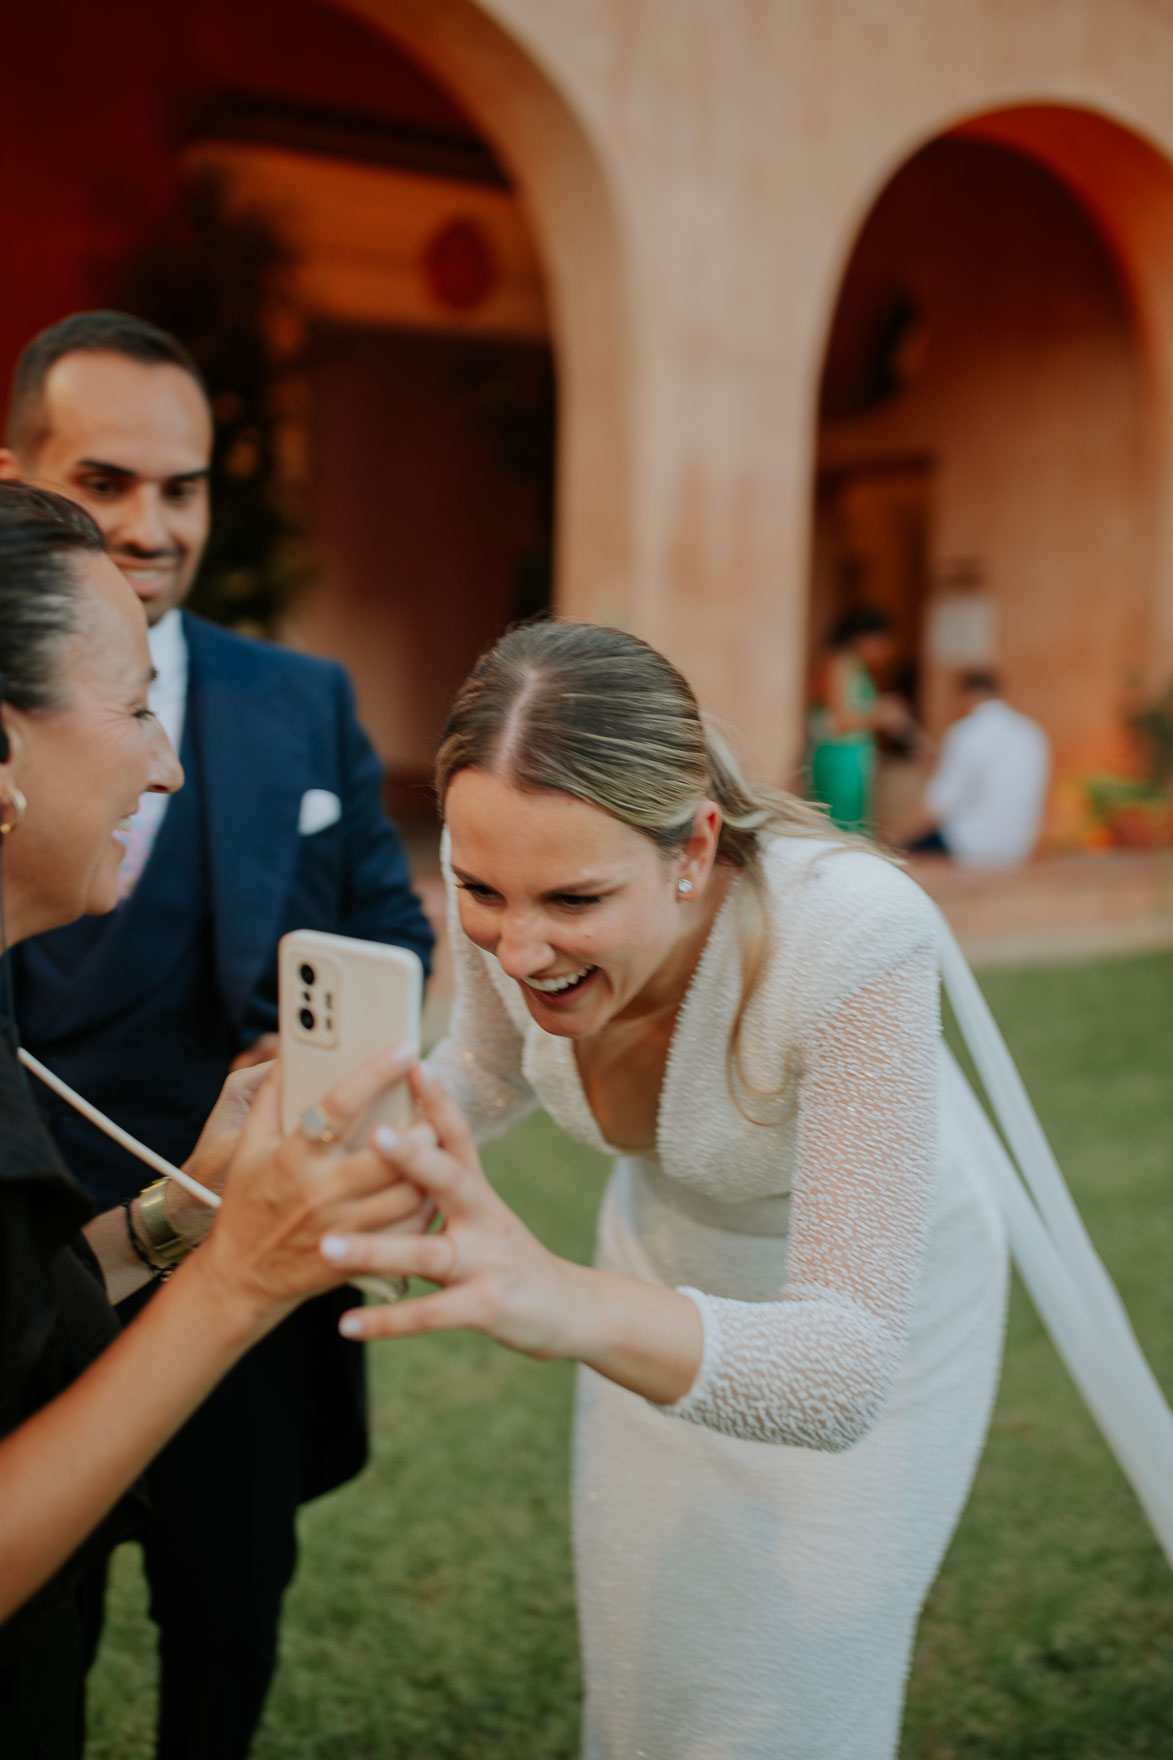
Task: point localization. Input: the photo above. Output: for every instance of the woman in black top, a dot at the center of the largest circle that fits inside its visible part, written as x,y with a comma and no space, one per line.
83,1406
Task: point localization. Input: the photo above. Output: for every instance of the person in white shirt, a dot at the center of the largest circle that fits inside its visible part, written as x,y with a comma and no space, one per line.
989,788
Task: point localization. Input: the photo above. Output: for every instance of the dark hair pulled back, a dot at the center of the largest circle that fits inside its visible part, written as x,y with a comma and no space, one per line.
40,535
858,621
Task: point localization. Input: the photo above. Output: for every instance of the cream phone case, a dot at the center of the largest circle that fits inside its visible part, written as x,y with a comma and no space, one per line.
340,1001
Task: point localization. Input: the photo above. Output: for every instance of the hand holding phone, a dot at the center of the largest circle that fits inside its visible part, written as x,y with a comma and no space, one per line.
339,1001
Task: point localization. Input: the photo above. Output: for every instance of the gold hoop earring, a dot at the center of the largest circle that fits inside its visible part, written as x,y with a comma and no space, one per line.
15,802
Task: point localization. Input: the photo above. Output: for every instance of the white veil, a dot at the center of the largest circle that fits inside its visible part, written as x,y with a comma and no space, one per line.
1076,1299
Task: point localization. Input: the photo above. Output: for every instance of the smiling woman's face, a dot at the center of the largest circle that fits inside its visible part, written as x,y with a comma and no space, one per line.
83,764
580,909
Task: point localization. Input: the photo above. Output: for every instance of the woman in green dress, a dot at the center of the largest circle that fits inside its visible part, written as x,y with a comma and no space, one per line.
850,712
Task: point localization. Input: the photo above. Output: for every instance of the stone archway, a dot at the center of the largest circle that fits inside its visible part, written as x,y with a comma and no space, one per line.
1125,184
548,151
997,376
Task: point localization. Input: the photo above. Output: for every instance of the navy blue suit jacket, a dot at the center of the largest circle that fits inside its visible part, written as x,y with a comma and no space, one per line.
272,725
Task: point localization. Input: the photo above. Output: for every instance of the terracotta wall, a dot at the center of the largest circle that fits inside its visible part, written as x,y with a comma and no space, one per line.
697,174
722,159
426,537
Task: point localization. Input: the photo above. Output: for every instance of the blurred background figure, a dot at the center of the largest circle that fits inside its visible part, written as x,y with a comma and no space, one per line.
849,711
989,788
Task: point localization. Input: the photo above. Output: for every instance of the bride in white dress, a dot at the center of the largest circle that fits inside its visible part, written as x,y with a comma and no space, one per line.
790,1340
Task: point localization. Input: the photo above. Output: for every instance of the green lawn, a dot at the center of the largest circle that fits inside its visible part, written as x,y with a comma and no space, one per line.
433,1618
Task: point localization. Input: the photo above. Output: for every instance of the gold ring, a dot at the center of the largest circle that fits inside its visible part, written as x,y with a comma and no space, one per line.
317,1126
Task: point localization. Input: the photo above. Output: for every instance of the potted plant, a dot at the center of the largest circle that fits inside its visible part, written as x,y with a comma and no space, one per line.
1136,812
1130,811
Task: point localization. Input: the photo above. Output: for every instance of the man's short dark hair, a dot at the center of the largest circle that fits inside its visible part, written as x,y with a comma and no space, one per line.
981,681
40,591
84,333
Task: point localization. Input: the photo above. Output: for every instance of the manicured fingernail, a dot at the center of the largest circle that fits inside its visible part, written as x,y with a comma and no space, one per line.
402,1053
335,1247
386,1139
350,1326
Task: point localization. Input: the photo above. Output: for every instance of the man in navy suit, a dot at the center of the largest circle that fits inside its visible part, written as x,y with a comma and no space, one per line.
279,826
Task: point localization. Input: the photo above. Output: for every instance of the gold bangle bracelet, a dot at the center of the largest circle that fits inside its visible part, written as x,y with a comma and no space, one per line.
157,1225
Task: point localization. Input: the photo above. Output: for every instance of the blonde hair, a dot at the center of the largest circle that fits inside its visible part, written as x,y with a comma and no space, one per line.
599,714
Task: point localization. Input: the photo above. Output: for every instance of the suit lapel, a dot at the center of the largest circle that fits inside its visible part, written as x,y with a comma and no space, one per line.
253,762
92,971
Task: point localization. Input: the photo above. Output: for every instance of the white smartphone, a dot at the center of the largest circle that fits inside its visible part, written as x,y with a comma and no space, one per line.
338,1002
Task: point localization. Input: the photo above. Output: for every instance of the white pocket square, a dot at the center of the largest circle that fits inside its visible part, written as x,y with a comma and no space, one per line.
319,808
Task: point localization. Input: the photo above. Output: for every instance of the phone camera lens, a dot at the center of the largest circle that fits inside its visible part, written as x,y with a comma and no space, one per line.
308,974
306,1017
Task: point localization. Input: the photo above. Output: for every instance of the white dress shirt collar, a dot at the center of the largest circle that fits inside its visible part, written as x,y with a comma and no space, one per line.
168,699
169,649
169,691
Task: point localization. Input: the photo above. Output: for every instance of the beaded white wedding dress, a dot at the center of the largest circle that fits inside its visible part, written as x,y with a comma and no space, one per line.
752,1561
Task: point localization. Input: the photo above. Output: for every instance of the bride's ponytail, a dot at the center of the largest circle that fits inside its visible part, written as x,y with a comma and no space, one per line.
751,812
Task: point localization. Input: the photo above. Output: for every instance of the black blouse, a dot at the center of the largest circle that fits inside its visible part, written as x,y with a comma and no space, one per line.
54,1315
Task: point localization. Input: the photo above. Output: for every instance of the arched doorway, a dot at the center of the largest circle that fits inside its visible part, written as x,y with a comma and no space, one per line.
417,432
456,261
989,447
418,426
568,197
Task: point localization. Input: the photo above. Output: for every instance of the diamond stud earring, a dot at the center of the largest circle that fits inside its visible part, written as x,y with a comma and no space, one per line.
684,887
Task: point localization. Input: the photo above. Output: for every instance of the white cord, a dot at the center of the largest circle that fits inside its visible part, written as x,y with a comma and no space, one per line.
121,1137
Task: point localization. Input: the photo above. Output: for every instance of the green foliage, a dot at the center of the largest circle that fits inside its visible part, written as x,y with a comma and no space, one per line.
433,1615
1107,794
1153,726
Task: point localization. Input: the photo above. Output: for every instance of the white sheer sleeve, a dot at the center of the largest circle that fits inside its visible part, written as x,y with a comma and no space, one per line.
479,1059
815,1368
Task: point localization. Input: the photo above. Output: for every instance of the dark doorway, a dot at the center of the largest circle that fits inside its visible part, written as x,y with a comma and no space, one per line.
872,526
432,479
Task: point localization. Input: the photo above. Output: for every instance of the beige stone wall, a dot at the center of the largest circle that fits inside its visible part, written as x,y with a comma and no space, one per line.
696,172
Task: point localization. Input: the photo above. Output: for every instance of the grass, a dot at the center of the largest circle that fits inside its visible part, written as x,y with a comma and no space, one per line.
433,1615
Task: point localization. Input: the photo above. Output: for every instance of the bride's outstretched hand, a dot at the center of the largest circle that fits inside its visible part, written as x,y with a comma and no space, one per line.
494,1276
